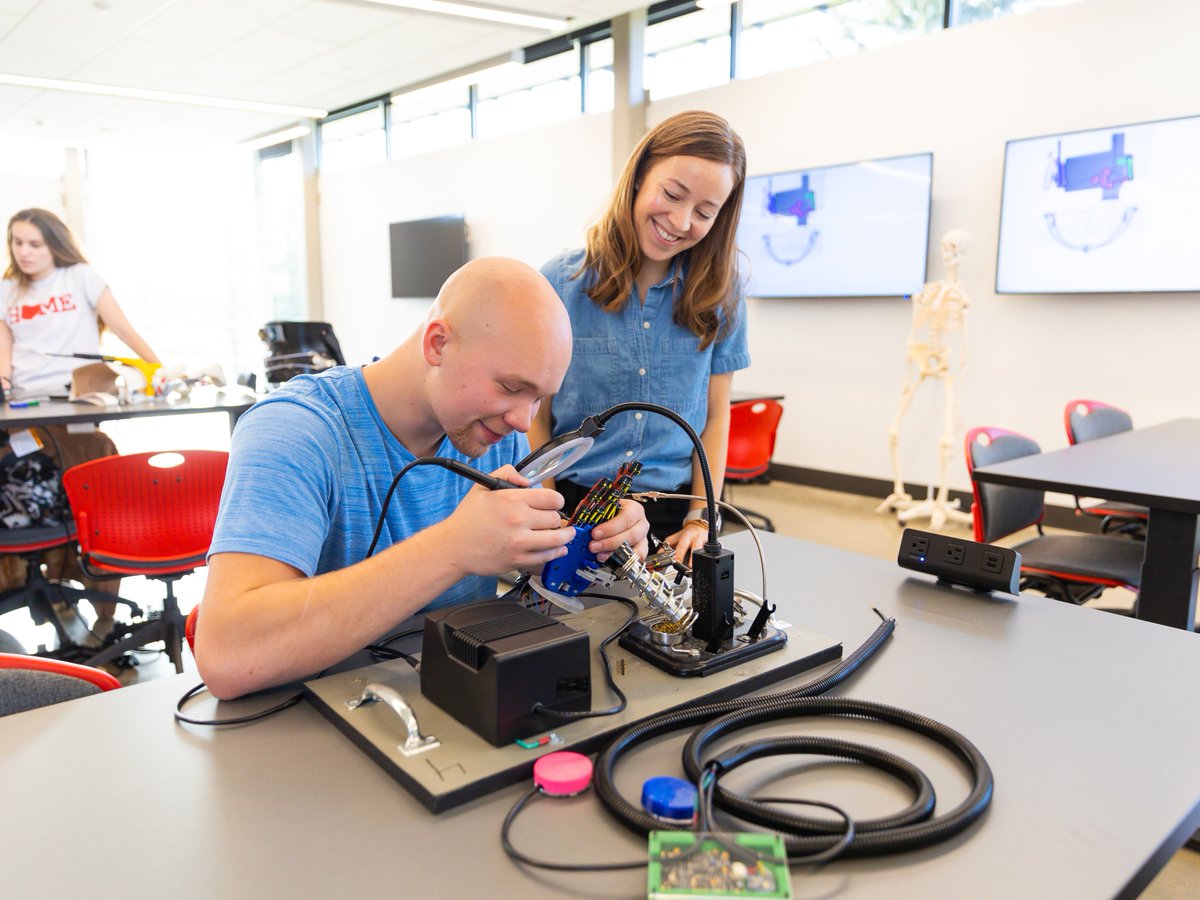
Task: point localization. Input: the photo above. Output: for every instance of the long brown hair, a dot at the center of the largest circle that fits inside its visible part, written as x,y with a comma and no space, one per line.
57,236
614,255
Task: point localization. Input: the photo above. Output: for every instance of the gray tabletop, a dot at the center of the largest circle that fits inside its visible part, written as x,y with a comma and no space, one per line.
233,401
1086,719
1154,467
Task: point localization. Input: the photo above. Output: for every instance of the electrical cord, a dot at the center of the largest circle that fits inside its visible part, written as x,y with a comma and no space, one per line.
520,857
488,481
728,507
540,709
237,720
376,649
716,719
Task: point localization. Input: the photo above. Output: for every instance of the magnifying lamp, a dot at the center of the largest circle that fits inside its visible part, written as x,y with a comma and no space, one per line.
560,453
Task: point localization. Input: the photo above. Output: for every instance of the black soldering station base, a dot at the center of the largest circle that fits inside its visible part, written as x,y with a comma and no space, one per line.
677,660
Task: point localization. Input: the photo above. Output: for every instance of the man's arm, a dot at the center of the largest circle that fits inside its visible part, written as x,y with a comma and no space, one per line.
264,623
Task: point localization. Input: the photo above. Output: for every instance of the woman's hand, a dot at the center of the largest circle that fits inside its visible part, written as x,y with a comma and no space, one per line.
692,535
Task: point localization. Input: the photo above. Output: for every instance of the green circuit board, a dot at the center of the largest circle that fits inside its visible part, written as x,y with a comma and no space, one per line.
720,866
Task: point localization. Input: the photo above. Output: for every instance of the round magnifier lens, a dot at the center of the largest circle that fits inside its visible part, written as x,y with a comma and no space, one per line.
554,458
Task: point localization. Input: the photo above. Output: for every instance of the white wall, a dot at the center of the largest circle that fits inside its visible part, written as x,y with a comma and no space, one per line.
527,196
960,94
25,191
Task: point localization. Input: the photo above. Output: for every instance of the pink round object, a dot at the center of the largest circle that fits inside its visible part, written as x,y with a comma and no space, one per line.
562,773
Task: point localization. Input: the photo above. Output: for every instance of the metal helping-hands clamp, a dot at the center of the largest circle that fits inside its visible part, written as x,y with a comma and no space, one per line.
712,565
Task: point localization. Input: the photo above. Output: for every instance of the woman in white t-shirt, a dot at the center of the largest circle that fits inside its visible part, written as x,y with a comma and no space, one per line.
55,303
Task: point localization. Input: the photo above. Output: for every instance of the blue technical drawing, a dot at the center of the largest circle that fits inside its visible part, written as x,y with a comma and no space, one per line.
1107,170
788,249
798,202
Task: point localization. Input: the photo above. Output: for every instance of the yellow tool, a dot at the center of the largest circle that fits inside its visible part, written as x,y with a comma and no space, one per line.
146,368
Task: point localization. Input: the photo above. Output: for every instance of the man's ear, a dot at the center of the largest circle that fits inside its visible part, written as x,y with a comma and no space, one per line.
434,341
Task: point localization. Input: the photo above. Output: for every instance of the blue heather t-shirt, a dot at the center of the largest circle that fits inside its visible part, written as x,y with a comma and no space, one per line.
310,466
638,353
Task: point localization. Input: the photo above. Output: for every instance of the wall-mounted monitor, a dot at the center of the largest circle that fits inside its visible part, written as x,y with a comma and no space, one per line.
856,230
1101,211
424,254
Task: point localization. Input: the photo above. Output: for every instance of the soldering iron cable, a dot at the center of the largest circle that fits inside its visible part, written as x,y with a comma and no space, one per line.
716,719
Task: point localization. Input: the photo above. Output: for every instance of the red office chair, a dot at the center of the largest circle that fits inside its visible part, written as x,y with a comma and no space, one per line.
147,514
1073,568
1087,420
752,427
27,682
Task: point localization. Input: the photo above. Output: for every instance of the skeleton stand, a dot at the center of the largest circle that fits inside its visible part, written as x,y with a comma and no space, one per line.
940,305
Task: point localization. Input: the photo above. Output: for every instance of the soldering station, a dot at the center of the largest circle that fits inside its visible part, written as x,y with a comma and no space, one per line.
506,688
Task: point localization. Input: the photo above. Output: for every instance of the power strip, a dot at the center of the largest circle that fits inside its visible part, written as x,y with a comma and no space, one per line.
981,566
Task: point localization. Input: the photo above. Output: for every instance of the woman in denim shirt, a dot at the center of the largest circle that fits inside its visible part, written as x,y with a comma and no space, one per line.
658,315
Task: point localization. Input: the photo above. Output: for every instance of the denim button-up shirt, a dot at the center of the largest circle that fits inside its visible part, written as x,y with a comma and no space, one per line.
638,353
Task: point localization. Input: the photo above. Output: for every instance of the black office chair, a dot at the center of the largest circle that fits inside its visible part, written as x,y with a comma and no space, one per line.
1072,568
1087,420
299,348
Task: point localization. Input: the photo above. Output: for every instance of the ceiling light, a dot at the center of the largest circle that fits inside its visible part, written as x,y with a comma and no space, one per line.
112,90
277,137
485,13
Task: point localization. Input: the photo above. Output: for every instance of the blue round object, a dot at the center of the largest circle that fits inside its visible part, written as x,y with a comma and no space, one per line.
669,798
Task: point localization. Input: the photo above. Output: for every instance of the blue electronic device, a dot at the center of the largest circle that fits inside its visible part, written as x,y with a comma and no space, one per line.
562,575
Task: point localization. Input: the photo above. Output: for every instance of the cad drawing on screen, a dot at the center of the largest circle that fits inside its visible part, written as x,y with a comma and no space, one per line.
791,243
1102,219
938,323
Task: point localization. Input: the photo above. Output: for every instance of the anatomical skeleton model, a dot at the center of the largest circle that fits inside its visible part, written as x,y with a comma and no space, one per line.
938,318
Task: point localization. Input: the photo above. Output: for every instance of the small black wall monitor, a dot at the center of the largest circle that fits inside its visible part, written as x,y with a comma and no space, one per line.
1109,210
856,230
424,254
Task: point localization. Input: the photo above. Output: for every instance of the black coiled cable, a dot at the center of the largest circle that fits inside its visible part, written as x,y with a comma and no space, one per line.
876,837
804,836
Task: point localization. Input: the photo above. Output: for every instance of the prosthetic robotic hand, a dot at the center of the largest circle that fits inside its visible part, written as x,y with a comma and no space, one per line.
566,577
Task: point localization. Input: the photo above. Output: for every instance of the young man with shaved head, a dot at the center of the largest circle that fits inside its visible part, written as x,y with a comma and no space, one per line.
290,589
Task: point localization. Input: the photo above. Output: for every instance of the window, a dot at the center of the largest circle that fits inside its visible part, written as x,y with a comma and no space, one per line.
534,94
598,58
687,53
964,12
784,34
353,138
430,118
183,268
281,232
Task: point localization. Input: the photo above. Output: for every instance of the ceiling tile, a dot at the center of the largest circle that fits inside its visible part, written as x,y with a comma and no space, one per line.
339,22
325,53
137,62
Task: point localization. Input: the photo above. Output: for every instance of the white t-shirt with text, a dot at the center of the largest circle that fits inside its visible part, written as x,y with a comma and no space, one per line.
56,314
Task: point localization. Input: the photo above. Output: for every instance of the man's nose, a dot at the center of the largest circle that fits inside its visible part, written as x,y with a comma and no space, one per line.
520,417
